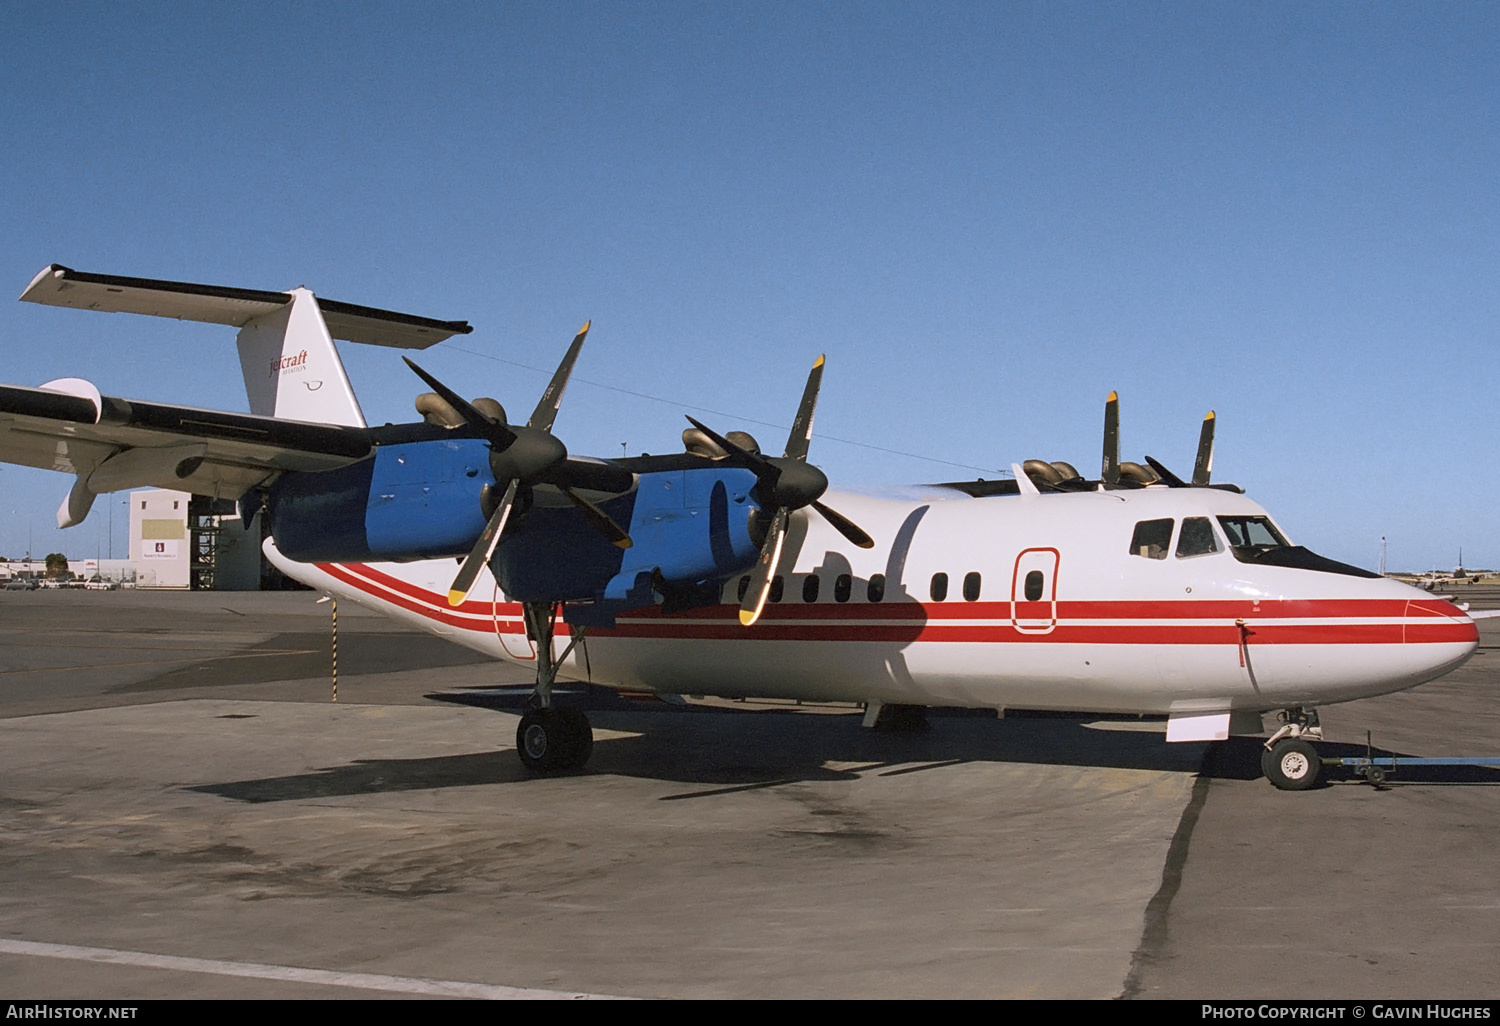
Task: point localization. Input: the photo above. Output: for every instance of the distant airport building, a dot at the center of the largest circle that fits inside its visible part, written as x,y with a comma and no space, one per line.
177,540
159,538
180,540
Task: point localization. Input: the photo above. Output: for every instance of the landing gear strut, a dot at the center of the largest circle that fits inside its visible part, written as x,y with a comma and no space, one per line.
1290,760
549,738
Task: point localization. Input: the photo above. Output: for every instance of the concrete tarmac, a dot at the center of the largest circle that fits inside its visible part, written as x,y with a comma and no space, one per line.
184,812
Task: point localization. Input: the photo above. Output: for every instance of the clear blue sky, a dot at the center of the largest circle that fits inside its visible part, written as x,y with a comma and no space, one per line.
987,215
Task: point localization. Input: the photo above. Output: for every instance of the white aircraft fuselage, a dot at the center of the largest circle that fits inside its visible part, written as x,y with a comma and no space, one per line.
1064,614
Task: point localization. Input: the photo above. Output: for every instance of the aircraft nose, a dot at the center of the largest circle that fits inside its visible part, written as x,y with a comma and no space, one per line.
1439,637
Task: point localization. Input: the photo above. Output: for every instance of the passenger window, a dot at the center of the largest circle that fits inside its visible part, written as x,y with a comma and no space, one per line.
778,587
1034,582
971,587
744,587
876,589
843,587
1197,538
810,588
939,589
1152,538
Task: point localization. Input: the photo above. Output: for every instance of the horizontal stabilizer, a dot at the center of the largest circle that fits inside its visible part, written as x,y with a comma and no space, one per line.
217,304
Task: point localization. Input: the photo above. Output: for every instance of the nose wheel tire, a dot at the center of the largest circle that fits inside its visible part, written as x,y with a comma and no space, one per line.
554,739
1292,765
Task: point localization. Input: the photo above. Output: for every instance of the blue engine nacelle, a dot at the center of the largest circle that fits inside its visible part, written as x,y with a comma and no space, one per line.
423,500
690,526
418,500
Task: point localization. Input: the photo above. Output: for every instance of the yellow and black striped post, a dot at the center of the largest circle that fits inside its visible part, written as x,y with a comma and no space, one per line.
335,649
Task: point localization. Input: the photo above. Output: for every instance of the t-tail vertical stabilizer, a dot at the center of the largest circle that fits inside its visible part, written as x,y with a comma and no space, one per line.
292,368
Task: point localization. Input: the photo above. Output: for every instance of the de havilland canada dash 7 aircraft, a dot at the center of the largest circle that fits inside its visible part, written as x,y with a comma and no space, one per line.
721,570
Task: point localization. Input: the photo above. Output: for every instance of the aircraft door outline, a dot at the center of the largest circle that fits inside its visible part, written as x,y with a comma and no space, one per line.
1035,574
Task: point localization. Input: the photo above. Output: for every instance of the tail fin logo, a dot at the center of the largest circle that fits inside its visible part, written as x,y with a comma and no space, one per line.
294,363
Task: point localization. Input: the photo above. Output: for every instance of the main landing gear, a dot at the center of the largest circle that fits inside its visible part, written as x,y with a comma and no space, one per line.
554,739
549,738
1290,760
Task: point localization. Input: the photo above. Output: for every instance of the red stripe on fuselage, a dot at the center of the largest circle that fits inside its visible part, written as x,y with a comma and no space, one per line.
905,622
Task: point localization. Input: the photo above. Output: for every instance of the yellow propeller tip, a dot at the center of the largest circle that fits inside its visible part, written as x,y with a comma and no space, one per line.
747,617
624,543
818,362
1210,415
1114,397
585,327
456,598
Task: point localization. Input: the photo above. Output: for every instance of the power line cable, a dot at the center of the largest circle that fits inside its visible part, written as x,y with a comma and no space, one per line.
728,416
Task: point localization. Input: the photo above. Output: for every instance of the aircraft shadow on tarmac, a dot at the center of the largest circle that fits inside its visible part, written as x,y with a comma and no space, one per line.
307,655
722,751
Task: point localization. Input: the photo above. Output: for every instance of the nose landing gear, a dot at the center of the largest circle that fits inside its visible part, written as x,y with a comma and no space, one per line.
548,738
1290,761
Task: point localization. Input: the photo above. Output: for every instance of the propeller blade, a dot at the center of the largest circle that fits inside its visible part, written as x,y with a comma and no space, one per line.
765,569
600,519
1203,467
1110,472
844,526
758,464
797,441
483,549
1170,479
498,434
546,410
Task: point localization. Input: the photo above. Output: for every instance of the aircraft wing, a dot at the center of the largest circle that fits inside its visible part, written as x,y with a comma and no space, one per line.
114,444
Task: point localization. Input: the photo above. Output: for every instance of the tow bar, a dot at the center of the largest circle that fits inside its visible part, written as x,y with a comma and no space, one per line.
1377,769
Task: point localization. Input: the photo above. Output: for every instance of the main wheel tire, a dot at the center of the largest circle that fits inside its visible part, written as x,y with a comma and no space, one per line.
1293,765
542,740
580,735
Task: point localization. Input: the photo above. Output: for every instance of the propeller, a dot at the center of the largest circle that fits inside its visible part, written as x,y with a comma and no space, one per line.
1109,473
785,483
1204,465
519,456
1114,472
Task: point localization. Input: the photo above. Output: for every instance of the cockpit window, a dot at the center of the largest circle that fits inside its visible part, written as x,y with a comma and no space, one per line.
1197,538
1252,533
1256,541
1152,539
